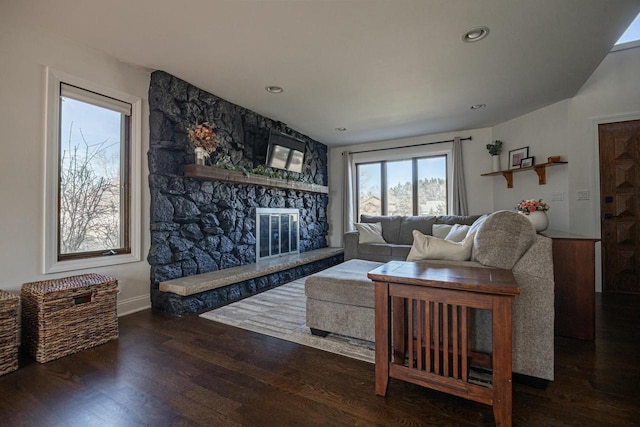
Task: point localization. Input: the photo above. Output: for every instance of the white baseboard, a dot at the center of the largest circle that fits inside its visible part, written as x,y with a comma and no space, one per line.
132,305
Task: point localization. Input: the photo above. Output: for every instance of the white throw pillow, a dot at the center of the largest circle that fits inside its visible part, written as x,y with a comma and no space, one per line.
369,232
457,233
441,230
429,247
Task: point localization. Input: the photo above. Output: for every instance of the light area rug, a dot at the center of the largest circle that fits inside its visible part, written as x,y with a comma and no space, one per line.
281,313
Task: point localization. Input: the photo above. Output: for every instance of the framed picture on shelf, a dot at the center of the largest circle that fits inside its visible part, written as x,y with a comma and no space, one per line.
526,162
516,156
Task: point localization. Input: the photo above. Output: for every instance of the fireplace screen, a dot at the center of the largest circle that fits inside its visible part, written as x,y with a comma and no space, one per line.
277,232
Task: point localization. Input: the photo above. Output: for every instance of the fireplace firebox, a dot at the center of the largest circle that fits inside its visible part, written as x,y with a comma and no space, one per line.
277,231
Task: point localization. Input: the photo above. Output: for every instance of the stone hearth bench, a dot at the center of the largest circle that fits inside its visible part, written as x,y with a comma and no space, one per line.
190,285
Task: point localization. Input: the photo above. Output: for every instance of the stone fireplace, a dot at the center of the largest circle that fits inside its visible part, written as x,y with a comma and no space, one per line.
198,225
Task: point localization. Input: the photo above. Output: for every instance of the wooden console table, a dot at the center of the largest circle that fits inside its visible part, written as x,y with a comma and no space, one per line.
575,284
430,304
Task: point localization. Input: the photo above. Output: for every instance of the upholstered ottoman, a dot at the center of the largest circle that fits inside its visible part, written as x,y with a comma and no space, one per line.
340,300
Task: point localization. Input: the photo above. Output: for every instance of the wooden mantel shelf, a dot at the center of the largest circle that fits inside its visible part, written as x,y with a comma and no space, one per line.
540,169
219,174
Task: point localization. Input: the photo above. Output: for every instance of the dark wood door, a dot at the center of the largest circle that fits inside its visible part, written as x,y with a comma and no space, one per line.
620,205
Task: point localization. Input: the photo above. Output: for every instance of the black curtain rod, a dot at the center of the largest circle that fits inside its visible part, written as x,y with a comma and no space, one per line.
408,146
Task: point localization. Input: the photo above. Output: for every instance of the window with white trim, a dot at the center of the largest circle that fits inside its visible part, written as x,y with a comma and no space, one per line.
416,186
92,185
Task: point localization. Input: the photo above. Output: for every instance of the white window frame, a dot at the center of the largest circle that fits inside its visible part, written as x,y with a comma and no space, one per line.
624,46
50,263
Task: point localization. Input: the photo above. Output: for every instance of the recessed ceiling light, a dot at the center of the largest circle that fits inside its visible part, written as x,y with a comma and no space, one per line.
341,129
478,106
274,89
475,34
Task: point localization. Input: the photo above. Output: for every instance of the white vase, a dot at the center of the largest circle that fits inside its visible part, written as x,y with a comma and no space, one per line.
201,154
538,219
495,163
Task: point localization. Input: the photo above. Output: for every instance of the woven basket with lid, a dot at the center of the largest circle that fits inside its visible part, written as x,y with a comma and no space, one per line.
9,325
67,315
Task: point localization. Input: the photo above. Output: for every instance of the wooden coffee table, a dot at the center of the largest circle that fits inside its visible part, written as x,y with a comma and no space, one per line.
430,304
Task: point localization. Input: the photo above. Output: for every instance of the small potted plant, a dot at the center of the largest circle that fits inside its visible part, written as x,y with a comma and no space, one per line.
494,149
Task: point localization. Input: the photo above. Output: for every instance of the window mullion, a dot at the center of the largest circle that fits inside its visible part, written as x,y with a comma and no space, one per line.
357,172
446,187
125,188
383,188
414,185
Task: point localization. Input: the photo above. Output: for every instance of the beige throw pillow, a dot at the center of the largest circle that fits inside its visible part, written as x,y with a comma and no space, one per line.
457,233
369,232
429,247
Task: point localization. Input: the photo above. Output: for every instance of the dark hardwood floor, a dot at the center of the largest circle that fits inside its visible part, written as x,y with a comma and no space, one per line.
190,371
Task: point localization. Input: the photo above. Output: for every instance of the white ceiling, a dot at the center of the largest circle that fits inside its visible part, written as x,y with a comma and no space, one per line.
381,68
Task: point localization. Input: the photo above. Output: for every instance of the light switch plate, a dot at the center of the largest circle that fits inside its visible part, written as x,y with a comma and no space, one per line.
557,196
583,195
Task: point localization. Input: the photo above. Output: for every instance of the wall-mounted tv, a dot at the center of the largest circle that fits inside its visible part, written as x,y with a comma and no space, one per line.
285,152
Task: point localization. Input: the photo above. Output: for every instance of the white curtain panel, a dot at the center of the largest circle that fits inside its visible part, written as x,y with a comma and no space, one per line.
459,190
348,202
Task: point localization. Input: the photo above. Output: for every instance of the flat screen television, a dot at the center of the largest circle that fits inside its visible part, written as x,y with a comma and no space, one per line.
285,152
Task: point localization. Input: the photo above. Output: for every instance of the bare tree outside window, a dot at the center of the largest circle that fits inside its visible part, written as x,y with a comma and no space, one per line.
89,197
90,192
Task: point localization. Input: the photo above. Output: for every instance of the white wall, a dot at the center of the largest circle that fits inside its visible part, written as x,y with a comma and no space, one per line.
569,128
545,133
24,54
476,161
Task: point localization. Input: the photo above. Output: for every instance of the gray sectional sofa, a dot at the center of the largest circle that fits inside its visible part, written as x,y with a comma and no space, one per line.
340,299
398,233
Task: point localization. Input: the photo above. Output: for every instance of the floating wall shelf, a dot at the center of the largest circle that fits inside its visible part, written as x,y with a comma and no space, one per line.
219,174
540,169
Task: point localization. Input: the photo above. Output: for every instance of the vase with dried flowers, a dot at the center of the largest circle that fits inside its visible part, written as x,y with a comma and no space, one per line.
204,140
534,210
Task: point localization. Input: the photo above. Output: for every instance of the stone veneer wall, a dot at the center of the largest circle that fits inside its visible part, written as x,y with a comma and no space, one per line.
199,226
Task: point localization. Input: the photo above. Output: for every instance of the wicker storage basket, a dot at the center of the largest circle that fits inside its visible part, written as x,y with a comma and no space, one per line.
9,307
64,316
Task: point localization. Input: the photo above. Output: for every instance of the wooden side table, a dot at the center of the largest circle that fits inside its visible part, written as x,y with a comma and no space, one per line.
575,284
423,331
